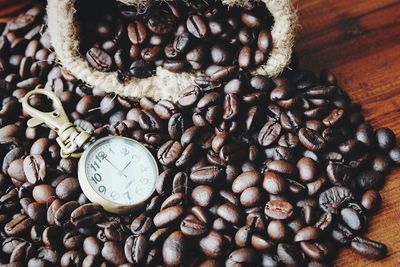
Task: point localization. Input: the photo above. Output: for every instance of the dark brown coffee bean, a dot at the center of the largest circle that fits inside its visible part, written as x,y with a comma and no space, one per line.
135,248
311,139
221,73
231,106
19,224
307,233
250,20
68,188
385,138
86,215
264,41
161,22
137,32
92,246
316,250
63,214
273,183
174,249
290,254
99,59
168,216
192,226
278,209
339,174
202,195
213,244
342,234
371,200
368,248
196,26
245,57
251,197
169,152
189,96
334,198
22,252
113,252
34,168
230,213
370,180
241,256
207,175
269,133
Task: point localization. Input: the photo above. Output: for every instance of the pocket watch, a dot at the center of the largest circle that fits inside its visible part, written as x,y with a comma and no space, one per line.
116,172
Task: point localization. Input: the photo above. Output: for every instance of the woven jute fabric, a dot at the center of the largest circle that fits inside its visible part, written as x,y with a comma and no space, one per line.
164,84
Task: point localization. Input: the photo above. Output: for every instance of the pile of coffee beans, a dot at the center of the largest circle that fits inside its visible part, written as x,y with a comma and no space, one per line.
177,35
255,171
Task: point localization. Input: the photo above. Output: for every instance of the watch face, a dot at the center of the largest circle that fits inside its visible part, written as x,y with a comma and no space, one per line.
121,170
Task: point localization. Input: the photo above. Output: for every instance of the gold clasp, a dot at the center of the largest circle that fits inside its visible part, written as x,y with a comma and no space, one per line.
70,138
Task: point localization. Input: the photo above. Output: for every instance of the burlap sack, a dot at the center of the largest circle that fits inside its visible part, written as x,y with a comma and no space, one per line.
164,85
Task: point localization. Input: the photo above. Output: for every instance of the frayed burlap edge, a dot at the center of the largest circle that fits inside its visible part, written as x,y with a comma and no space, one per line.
165,84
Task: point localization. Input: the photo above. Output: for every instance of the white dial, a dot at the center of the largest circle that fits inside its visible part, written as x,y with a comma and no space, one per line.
120,170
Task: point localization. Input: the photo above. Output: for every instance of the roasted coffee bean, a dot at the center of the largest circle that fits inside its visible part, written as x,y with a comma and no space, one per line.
141,224
264,41
316,250
19,224
290,254
161,23
68,188
63,213
99,59
135,248
168,216
394,155
311,139
196,26
385,138
307,233
368,248
273,183
269,133
34,168
86,215
370,180
91,246
202,195
207,175
213,244
241,256
192,226
331,200
137,32
371,200
278,209
113,252
342,234
174,249
169,152
230,213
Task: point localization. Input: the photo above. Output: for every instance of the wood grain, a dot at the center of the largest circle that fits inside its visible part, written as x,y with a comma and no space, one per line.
359,41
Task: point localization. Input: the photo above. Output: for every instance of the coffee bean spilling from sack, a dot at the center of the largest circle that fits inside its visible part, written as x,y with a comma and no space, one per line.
255,172
179,36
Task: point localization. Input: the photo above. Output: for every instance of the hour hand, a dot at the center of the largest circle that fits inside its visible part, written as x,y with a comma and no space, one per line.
115,167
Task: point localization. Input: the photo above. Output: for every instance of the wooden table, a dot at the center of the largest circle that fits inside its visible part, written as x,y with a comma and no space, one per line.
359,41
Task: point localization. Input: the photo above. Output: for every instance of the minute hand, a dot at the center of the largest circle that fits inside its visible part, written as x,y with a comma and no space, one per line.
115,167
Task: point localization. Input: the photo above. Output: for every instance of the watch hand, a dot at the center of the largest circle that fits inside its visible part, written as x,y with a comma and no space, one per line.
118,170
127,165
129,184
